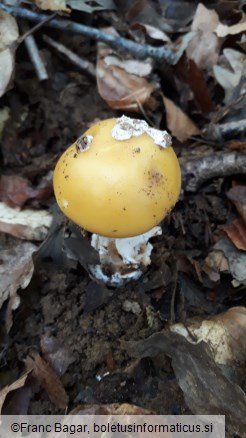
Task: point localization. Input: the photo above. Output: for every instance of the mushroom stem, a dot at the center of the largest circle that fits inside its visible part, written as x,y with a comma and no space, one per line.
122,259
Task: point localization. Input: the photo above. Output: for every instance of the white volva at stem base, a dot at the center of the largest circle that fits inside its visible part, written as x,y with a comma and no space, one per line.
122,260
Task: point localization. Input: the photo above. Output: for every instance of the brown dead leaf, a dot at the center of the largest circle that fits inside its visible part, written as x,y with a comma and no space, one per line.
15,190
237,233
19,383
180,125
237,146
206,389
237,195
52,5
49,381
187,71
16,270
119,88
204,47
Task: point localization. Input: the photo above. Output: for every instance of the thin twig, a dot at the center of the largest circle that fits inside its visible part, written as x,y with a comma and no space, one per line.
224,111
118,43
34,55
220,131
82,63
35,28
198,170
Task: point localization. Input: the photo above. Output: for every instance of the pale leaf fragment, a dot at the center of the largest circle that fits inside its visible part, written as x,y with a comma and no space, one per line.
180,125
89,6
236,260
153,32
230,72
8,35
8,30
224,333
26,224
132,66
6,69
204,46
222,30
52,5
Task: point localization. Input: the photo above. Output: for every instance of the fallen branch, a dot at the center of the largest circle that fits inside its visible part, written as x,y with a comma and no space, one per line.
198,170
141,51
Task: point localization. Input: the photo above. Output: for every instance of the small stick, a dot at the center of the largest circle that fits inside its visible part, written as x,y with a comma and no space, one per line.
82,63
220,131
35,57
33,29
198,170
139,50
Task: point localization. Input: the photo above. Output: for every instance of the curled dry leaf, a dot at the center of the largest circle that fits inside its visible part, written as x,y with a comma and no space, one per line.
237,195
237,233
180,125
49,381
52,5
26,224
16,270
119,88
8,34
204,46
19,383
224,333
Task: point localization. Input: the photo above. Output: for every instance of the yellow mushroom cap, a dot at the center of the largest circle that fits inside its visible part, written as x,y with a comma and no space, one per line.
120,179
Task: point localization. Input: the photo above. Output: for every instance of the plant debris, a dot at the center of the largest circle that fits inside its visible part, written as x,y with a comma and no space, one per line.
173,340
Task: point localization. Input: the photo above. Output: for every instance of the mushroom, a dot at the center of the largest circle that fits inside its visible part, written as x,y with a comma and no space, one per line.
118,181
